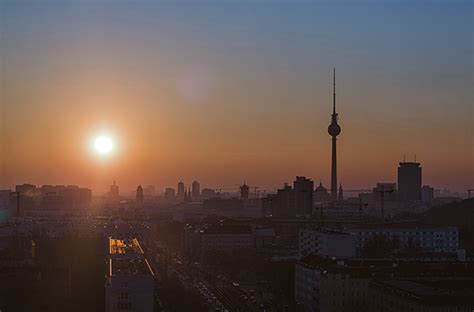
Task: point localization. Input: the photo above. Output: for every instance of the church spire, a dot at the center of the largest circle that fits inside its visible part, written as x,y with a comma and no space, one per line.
341,194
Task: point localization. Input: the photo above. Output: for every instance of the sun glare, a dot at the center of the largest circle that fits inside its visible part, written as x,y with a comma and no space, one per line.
103,145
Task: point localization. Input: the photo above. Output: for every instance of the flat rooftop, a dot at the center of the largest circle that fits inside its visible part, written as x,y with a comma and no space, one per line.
124,246
437,293
136,266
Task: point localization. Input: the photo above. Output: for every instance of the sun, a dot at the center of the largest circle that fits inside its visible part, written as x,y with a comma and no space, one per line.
103,145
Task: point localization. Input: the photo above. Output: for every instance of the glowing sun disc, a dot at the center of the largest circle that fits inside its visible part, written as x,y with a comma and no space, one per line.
103,145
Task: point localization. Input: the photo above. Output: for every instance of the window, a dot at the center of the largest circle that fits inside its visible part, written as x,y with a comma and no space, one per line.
123,296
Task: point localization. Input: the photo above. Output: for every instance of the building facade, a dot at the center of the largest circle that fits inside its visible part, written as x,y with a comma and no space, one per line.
326,243
409,181
130,284
424,239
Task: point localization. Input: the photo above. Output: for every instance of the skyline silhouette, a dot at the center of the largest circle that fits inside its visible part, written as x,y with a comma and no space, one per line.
190,155
185,99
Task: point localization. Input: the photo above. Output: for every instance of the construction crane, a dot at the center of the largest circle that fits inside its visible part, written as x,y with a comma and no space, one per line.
469,190
255,188
382,192
358,191
219,190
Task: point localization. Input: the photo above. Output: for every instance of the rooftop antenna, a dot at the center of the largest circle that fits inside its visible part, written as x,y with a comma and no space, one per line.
334,91
415,157
403,157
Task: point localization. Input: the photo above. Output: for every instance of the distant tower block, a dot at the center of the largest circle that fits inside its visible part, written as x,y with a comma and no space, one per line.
409,181
114,190
139,195
196,190
181,191
334,130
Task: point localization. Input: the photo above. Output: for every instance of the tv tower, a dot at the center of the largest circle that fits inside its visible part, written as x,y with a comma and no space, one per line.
334,130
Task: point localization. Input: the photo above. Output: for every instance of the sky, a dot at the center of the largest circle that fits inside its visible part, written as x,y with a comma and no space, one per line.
222,91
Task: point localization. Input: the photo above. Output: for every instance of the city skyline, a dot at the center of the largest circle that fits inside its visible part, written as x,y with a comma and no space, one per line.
203,155
180,108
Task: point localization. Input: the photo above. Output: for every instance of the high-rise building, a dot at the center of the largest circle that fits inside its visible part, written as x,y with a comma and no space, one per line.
334,130
286,205
139,195
130,284
114,190
180,194
196,193
303,188
409,181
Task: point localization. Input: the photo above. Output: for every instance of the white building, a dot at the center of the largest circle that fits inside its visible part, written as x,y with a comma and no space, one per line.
130,278
324,284
426,239
326,243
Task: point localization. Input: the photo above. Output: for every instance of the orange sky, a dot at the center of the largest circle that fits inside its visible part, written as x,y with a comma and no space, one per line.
185,103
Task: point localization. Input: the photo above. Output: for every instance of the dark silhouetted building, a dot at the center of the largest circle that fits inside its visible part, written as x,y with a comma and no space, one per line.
244,191
286,203
26,189
269,205
409,181
208,193
139,195
114,190
196,194
415,295
427,194
181,191
321,194
303,189
290,202
59,197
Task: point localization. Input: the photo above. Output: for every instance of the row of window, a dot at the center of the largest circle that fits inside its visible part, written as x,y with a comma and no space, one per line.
124,306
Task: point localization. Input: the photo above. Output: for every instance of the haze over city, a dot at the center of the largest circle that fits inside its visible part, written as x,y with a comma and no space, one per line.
236,156
239,90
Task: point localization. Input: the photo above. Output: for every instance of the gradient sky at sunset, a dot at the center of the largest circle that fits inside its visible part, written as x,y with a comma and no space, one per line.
222,91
